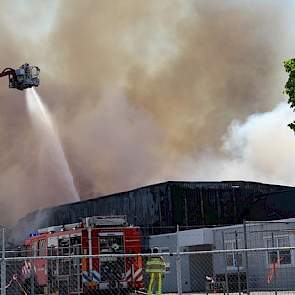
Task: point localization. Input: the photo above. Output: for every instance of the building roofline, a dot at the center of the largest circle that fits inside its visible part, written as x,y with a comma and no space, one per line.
120,193
181,182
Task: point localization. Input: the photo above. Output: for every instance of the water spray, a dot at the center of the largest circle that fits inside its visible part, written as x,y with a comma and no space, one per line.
26,77
43,124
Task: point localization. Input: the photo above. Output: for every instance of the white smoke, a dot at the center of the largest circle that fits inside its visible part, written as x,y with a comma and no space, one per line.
260,149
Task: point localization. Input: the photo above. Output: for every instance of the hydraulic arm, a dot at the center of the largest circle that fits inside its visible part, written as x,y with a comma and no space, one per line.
25,76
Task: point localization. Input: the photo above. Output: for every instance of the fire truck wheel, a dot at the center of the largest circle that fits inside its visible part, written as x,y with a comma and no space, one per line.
112,292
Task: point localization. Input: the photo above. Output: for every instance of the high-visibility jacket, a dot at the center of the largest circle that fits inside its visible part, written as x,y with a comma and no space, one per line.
155,265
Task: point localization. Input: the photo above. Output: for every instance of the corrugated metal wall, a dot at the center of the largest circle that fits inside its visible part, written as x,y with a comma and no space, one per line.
162,206
213,203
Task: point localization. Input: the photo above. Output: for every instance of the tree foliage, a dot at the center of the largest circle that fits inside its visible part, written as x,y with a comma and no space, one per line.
290,86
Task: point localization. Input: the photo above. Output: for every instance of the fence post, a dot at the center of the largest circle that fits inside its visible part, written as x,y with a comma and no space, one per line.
3,265
274,274
237,262
225,264
178,264
246,256
32,278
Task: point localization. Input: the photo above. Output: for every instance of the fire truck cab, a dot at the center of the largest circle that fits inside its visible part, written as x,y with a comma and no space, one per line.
86,257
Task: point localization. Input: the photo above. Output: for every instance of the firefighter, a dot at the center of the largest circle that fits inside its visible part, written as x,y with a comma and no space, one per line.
155,267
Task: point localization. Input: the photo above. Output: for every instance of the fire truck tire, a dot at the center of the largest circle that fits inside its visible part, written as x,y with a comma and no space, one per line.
126,292
111,292
39,289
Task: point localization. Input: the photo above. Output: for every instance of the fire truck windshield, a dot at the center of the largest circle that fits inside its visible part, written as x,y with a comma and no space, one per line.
111,244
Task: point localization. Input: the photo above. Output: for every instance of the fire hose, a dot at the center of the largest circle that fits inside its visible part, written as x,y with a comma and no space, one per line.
15,279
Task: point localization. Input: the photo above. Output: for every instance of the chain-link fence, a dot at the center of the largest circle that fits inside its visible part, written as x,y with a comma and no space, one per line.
84,274
250,258
184,273
227,272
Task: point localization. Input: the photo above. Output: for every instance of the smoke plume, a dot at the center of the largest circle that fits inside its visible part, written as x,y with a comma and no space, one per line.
260,149
140,90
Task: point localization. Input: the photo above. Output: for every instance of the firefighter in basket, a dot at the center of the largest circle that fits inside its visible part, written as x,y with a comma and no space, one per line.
155,267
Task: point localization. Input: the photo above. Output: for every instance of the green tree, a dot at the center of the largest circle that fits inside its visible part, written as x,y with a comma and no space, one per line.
290,86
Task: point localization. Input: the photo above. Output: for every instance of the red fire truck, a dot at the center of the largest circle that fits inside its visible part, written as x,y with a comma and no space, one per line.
82,275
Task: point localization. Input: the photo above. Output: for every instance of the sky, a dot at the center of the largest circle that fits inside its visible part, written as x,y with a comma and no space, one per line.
144,92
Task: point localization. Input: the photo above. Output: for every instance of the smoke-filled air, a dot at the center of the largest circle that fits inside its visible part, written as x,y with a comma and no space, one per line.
141,92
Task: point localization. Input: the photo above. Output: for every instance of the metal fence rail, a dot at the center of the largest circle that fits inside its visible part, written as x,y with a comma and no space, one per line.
108,274
252,258
197,272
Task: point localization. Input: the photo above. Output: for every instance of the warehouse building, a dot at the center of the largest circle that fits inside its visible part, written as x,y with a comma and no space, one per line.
160,207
